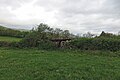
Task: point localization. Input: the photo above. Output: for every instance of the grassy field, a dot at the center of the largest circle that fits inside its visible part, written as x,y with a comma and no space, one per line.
9,39
33,64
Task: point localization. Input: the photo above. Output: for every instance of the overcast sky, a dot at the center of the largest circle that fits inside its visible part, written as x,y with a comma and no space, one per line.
78,16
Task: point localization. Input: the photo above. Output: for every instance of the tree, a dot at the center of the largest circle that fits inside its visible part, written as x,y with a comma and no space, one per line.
103,33
42,28
66,33
119,33
57,32
88,35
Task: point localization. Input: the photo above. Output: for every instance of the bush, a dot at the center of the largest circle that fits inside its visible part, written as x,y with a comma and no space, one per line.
82,43
40,45
18,45
5,44
96,44
46,45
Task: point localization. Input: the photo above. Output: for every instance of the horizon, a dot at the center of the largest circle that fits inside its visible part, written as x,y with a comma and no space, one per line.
20,27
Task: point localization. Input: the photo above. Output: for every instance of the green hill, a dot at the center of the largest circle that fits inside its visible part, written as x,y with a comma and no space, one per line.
12,32
3,28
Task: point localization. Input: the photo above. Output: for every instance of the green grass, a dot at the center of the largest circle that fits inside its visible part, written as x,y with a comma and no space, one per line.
32,64
9,39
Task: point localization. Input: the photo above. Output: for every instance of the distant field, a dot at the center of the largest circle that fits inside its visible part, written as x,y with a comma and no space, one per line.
32,64
9,39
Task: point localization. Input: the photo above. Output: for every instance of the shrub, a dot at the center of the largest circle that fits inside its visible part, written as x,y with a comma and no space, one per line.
106,44
46,45
5,44
81,43
96,44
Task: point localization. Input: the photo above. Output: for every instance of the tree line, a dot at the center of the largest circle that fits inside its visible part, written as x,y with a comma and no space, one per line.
41,36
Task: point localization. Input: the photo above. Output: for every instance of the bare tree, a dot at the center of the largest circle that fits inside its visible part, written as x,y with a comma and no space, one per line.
119,33
88,35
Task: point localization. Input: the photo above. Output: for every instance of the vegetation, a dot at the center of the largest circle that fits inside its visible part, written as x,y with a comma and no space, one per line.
41,37
12,32
10,39
83,58
101,43
33,64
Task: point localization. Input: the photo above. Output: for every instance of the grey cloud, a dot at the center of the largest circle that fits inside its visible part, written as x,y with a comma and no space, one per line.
76,15
13,4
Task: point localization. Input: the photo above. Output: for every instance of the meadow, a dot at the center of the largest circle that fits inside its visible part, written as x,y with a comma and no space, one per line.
9,39
34,57
34,64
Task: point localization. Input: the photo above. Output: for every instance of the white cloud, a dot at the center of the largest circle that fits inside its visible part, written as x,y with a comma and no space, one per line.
75,15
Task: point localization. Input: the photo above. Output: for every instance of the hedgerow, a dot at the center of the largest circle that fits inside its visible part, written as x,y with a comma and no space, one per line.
96,44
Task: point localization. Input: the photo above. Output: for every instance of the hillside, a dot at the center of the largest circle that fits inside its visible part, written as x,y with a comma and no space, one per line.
3,28
4,31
